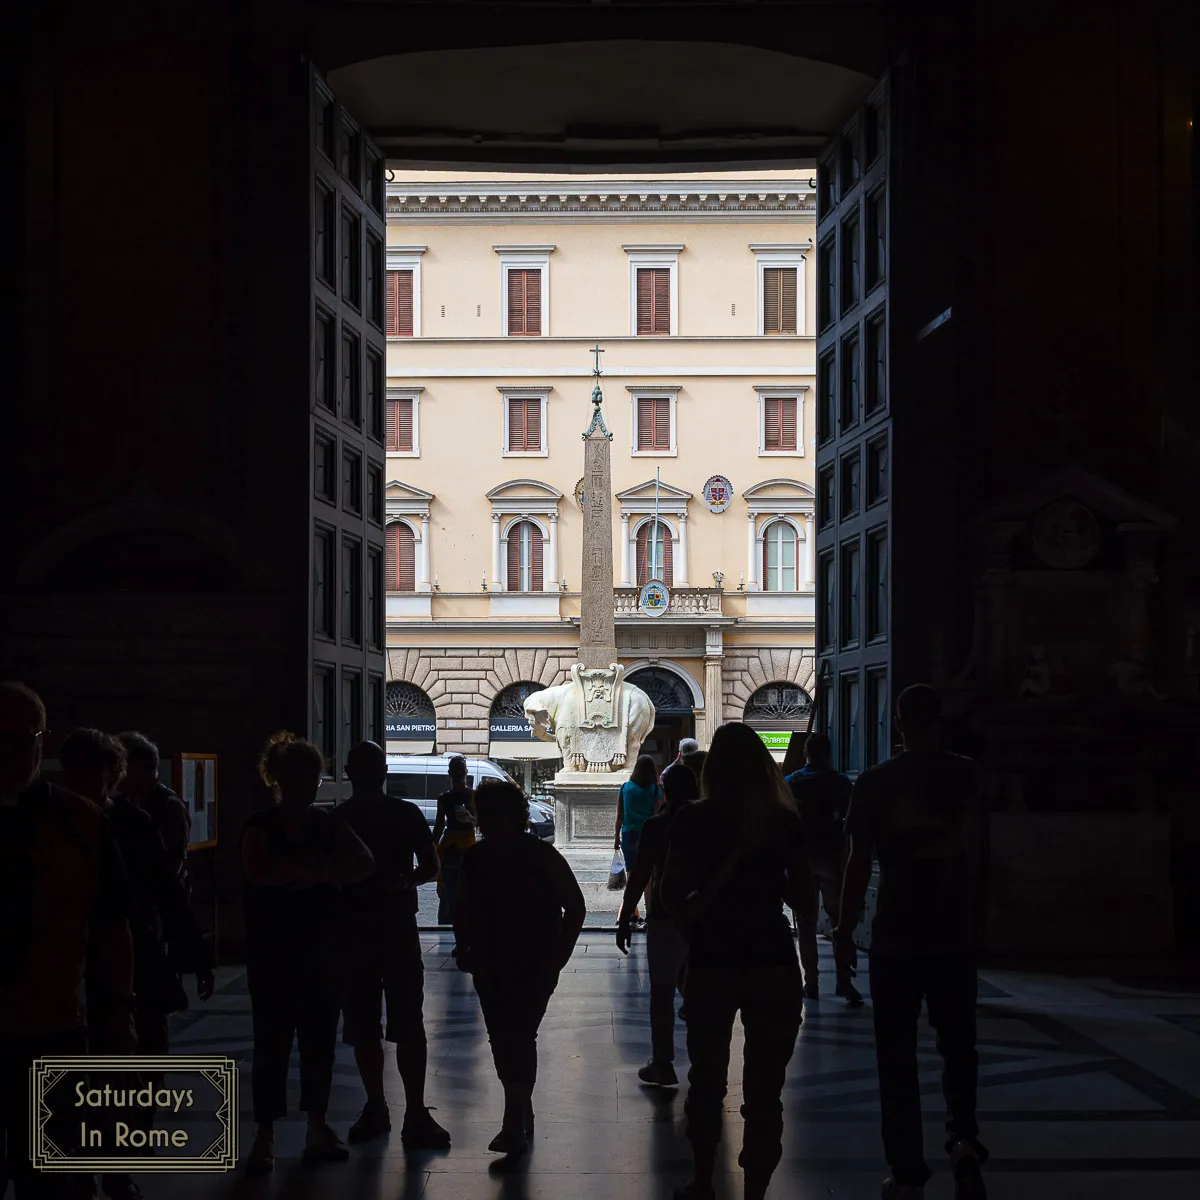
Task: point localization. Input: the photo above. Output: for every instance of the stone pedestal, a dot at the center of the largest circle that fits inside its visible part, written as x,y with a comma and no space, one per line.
585,807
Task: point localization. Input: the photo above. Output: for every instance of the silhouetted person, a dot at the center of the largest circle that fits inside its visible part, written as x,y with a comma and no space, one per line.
637,801
735,856
919,814
166,810
63,895
689,755
166,937
454,835
294,857
519,916
384,951
666,947
823,797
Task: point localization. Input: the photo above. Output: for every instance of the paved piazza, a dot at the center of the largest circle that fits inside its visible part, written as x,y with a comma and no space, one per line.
1088,1089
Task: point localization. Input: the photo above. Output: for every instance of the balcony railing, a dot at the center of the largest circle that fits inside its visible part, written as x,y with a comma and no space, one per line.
685,602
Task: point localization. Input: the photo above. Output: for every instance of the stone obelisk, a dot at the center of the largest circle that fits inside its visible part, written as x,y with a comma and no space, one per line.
597,624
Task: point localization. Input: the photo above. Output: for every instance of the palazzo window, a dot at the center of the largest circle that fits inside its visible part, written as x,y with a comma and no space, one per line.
653,289
779,300
780,546
653,301
654,425
779,425
402,433
401,558
525,423
525,558
400,304
654,553
524,302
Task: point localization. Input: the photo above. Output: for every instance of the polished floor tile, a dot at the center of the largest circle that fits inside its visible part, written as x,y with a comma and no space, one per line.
1087,1089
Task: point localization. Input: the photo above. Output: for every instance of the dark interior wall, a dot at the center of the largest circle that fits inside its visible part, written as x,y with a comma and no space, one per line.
166,341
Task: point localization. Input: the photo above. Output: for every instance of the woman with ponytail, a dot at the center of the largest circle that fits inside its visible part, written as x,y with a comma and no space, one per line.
735,858
294,858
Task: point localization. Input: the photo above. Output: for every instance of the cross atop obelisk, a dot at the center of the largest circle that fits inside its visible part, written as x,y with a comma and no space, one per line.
597,626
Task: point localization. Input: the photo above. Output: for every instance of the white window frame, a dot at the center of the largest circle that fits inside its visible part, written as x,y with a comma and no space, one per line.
406,258
798,536
796,393
517,393
652,393
778,255
406,393
540,523
671,530
642,257
524,258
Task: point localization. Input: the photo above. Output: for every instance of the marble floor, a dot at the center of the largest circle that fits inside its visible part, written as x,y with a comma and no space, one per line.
1088,1089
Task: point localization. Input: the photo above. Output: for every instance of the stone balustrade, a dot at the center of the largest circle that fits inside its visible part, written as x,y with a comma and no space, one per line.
685,602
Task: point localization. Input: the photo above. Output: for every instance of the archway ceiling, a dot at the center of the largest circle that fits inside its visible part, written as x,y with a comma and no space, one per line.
619,103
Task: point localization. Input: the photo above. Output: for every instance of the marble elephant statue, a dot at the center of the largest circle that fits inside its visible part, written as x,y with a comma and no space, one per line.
553,716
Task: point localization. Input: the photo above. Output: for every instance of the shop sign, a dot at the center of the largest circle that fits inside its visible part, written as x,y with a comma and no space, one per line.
409,729
510,729
718,492
775,739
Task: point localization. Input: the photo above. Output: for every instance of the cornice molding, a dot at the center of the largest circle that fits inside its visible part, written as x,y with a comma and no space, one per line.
695,199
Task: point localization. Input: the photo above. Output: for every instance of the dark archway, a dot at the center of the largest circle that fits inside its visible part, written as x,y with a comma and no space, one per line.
410,720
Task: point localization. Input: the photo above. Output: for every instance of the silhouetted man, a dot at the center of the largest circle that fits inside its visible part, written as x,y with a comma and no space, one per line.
385,951
166,937
920,814
823,797
61,884
166,810
690,755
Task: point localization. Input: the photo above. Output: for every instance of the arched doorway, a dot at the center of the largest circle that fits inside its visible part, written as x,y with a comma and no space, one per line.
776,711
409,722
529,760
674,711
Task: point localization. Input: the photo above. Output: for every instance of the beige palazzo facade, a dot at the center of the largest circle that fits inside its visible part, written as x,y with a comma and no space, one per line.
700,291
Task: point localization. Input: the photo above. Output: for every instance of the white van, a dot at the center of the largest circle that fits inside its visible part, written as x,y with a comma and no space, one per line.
422,778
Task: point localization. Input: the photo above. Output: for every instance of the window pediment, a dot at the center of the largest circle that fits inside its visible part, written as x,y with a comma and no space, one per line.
671,499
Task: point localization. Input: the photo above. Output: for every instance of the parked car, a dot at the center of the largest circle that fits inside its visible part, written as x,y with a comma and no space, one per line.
422,778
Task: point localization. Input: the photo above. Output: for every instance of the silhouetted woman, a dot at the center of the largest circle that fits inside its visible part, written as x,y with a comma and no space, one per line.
519,915
294,857
666,947
637,802
743,839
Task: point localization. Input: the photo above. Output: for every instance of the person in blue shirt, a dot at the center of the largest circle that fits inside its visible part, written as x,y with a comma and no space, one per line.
637,801
823,798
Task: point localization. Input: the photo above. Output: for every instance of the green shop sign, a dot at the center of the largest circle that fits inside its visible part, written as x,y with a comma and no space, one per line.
775,739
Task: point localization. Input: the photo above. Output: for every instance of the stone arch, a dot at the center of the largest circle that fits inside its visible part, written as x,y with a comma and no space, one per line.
744,671
778,702
663,677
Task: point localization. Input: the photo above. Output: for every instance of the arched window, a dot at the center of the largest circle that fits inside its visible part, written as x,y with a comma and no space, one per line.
524,558
779,557
401,558
668,693
778,702
659,566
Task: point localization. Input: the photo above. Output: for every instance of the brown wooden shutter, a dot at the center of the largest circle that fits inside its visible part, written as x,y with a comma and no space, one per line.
525,303
404,303
787,424
533,303
516,425
393,304
662,300
400,424
513,580
643,554
645,424
533,426
645,302
766,575
516,303
771,424
536,579
666,570
662,423
787,300
771,312
401,558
